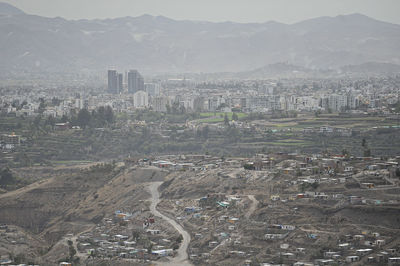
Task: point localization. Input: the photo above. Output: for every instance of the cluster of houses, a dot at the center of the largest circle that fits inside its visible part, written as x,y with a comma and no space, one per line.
9,141
354,248
332,167
218,210
227,229
13,243
219,217
126,236
368,247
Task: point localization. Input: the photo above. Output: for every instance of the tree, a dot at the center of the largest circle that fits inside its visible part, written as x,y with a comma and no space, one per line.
205,131
248,166
36,121
55,101
23,159
83,118
109,115
235,117
179,239
20,258
50,121
232,133
149,248
64,119
397,108
175,107
292,114
72,251
226,119
367,151
6,177
221,106
135,234
364,142
42,106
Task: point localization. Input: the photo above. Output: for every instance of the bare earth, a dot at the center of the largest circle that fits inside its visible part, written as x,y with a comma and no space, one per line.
182,257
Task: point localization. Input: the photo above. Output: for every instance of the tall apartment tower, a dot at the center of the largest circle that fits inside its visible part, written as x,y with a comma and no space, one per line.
135,81
112,81
115,82
120,79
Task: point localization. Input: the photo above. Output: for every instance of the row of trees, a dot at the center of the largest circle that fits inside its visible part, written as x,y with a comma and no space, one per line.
175,108
234,117
100,117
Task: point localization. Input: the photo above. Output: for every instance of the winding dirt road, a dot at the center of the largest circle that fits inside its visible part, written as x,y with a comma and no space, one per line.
182,257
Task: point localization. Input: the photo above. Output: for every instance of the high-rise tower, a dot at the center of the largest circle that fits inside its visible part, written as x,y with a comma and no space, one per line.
112,81
135,81
115,82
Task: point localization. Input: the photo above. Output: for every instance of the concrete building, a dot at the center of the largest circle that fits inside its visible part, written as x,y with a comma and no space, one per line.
153,89
160,103
339,102
140,99
198,104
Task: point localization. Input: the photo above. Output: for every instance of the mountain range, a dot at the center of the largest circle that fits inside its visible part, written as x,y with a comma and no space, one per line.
156,44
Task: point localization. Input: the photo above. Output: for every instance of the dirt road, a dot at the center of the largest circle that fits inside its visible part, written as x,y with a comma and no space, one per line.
182,257
253,206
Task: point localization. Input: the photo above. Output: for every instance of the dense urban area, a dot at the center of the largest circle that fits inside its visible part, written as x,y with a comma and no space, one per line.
291,171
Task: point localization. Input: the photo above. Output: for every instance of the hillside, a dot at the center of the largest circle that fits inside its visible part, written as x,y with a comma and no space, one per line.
159,44
47,210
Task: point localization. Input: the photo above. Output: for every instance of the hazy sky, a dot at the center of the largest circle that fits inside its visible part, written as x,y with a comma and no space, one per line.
286,11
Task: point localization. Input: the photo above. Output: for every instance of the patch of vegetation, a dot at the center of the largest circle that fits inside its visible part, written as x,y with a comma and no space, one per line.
118,137
308,186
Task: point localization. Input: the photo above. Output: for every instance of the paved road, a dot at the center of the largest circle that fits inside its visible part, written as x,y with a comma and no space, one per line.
182,257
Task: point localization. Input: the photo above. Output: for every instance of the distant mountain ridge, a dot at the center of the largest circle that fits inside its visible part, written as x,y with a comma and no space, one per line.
285,70
7,9
372,67
162,45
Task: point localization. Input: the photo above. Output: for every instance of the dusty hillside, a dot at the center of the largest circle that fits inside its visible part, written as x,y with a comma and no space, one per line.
199,184
318,224
191,185
69,204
